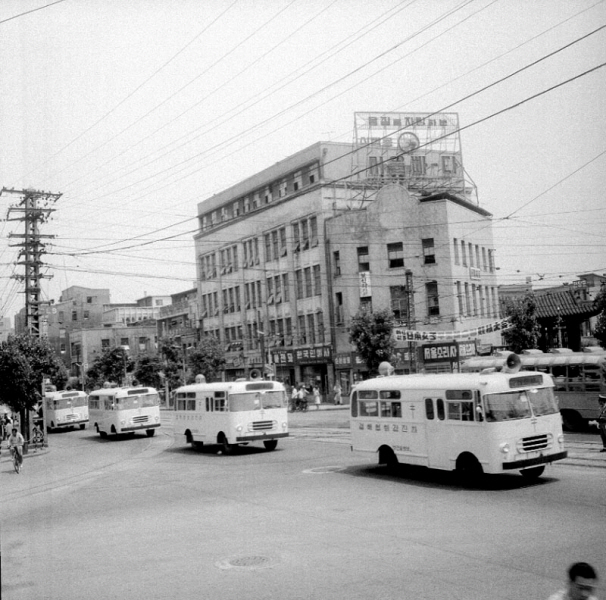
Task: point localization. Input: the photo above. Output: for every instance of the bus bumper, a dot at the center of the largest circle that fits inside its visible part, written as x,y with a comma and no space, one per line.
142,426
70,423
265,436
533,462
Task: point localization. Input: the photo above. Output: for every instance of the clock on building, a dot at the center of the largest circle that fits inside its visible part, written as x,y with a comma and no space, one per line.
407,142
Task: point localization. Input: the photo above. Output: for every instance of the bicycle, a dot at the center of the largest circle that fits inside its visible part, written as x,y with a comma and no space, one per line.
17,460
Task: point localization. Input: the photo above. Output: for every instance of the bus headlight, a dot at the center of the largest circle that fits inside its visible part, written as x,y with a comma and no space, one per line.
284,425
239,428
504,448
561,439
122,422
157,419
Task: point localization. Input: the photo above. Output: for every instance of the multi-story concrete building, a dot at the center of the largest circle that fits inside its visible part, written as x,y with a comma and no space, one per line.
286,257
179,320
5,328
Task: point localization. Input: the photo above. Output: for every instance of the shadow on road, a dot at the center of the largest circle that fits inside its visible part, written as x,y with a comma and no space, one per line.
216,450
433,478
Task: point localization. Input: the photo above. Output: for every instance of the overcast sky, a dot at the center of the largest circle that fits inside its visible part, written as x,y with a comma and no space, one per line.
137,110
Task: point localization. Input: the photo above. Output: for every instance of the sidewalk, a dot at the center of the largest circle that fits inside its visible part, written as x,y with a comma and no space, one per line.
585,454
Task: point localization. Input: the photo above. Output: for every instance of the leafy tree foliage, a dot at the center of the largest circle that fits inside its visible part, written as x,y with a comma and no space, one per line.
600,328
111,366
526,329
207,359
370,333
154,371
24,360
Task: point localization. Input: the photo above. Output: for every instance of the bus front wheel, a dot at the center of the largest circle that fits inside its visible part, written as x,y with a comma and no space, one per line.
533,473
469,468
270,444
572,420
225,445
388,458
150,432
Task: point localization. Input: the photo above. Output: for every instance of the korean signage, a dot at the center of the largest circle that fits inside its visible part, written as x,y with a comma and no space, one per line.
349,360
283,357
365,289
313,355
412,335
437,353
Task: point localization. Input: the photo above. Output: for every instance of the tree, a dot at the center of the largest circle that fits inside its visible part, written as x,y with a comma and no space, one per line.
24,361
112,366
371,334
600,329
525,330
208,358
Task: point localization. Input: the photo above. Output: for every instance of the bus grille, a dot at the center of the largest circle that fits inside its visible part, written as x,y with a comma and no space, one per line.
535,442
71,417
141,419
262,425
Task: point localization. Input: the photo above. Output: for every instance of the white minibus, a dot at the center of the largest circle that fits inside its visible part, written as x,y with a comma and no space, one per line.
474,423
68,408
232,413
124,410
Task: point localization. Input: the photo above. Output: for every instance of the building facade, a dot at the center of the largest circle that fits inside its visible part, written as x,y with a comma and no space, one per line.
288,256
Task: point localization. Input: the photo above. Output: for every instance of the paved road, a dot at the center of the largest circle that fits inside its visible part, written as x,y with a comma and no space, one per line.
144,518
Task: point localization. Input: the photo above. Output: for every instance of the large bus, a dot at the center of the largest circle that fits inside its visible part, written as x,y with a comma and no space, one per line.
579,378
472,423
68,408
232,413
124,410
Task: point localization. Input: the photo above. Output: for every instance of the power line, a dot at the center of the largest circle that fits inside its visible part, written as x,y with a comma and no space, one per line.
31,11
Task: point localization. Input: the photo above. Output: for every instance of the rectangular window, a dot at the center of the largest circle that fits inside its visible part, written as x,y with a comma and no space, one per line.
104,344
308,283
433,303
395,255
339,308
304,235
283,241
296,237
373,166
456,251
363,259
317,281
449,166
463,254
124,341
429,413
460,299
275,244
429,253
313,231
320,326
267,238
399,302
299,282
418,165
336,263
311,330
302,334
285,288
74,316
470,254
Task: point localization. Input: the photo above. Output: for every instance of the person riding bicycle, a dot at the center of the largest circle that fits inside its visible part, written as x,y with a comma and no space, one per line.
16,441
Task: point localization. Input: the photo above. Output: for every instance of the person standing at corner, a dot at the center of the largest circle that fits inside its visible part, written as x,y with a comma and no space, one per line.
581,583
602,420
338,391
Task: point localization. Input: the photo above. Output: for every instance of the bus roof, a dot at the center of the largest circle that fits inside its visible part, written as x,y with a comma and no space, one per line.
441,381
230,386
65,394
124,391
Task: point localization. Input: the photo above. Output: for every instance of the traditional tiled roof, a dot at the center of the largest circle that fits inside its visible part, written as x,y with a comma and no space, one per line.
564,304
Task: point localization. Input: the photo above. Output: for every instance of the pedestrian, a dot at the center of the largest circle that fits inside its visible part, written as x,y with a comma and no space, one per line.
337,391
7,426
602,420
581,583
293,397
302,397
317,398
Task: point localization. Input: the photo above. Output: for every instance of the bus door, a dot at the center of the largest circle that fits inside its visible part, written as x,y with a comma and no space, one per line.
436,431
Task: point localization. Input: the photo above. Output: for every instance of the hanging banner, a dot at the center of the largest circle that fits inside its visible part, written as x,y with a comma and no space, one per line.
412,335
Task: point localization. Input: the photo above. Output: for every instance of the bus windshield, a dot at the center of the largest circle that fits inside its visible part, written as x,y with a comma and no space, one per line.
517,405
138,401
256,401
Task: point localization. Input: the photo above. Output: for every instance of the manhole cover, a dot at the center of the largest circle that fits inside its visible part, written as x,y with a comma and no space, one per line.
321,470
247,562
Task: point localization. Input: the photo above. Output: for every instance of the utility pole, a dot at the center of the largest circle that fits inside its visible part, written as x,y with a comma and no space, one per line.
34,210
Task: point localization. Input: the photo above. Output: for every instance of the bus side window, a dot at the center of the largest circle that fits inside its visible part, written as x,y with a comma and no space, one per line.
396,410
440,406
354,404
429,413
209,404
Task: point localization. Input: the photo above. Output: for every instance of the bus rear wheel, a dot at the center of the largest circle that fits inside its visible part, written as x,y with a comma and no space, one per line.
533,473
270,444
